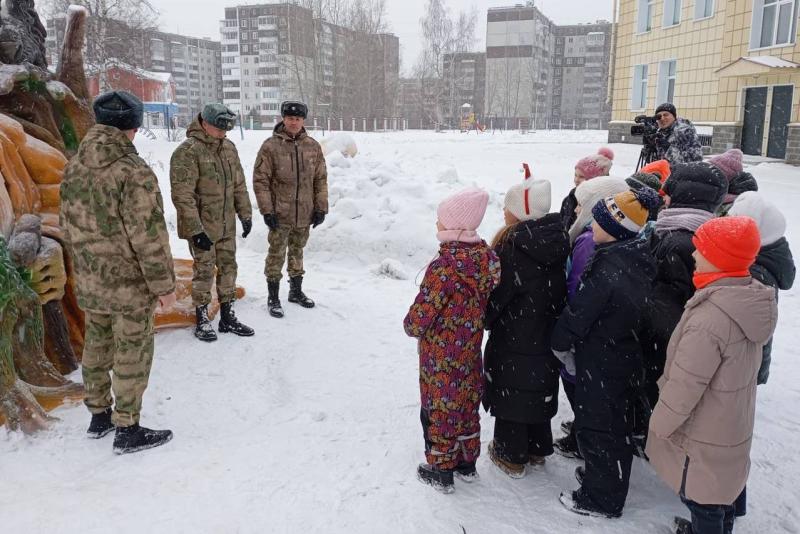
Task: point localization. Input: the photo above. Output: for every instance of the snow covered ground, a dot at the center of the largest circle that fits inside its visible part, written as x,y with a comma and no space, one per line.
313,424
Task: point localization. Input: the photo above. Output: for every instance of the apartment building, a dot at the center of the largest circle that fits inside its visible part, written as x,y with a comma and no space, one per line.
730,66
546,74
277,52
464,83
195,64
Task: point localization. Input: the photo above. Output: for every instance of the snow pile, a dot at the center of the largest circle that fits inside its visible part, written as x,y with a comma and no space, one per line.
390,268
340,142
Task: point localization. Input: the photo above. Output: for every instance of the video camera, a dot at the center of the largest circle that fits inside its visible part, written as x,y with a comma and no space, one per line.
647,127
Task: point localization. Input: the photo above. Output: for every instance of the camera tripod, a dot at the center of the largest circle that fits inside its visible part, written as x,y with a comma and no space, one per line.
646,156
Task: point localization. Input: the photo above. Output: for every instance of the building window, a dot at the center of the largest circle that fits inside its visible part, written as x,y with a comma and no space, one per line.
667,71
639,89
672,13
774,23
646,8
703,9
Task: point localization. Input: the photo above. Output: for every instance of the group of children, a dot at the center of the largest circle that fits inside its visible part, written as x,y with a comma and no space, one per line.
653,298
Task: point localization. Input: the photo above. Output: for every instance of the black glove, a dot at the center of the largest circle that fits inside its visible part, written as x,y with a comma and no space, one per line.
202,241
271,220
247,226
317,218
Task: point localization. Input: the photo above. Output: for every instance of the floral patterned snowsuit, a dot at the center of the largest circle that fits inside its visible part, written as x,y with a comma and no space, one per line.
448,318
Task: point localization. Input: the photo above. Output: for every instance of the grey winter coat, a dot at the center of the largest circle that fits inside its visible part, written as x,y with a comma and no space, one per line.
679,143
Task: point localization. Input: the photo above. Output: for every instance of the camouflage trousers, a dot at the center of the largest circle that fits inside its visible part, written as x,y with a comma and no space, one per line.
117,357
222,256
286,237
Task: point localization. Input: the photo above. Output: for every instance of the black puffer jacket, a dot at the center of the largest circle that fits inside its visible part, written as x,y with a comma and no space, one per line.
774,267
521,371
603,323
568,215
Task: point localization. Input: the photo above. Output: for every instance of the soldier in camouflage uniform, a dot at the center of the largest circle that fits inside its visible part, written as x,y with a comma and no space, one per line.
290,181
114,230
209,190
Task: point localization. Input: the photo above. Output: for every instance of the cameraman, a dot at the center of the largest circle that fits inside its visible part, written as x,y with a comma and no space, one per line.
676,139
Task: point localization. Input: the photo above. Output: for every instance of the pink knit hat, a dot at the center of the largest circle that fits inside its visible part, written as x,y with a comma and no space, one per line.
730,163
461,214
597,165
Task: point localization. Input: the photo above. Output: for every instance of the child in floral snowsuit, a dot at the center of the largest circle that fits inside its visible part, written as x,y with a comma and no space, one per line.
448,318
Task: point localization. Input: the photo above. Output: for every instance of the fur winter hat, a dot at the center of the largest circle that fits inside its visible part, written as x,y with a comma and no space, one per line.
697,185
731,244
587,195
730,163
464,210
624,215
529,200
119,109
596,165
770,221
660,167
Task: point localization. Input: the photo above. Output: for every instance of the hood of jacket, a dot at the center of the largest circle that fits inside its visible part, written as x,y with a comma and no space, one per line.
103,146
777,259
544,240
475,265
747,302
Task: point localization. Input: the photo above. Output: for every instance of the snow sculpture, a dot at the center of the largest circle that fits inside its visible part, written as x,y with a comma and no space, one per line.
339,142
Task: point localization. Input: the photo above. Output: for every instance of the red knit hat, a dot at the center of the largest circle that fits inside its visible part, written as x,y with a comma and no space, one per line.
731,244
660,167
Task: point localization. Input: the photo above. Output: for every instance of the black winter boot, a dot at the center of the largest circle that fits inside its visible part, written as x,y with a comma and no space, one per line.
229,323
466,472
101,425
296,294
204,331
438,479
682,526
273,301
136,438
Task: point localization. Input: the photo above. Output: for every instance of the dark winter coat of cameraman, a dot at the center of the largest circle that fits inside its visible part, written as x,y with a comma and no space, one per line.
676,140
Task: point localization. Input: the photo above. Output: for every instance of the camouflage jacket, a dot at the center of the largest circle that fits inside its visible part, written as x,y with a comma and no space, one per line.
112,215
290,178
208,185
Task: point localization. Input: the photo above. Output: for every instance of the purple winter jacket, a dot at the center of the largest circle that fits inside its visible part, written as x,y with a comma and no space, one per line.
582,252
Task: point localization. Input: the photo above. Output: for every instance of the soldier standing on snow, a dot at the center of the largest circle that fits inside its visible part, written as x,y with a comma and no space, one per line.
290,181
112,215
209,190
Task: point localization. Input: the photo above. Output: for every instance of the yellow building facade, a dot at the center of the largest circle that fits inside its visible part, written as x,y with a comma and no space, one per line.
732,67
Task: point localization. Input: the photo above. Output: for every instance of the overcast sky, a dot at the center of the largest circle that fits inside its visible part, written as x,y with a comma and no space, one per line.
200,18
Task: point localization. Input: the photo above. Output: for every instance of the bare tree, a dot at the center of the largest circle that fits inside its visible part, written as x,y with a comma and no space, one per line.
115,29
443,35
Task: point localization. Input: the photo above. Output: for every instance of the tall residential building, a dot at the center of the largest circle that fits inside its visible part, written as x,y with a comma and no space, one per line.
581,75
195,64
276,52
464,83
545,74
520,42
729,66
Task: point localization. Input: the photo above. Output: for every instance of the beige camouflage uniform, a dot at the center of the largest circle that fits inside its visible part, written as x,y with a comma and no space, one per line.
290,180
209,190
112,215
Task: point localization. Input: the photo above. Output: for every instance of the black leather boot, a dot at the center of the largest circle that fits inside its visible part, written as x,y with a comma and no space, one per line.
229,323
137,438
273,301
204,331
101,425
296,294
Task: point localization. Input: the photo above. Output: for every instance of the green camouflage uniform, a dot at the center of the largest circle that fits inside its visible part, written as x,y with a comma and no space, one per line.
112,215
209,190
290,180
